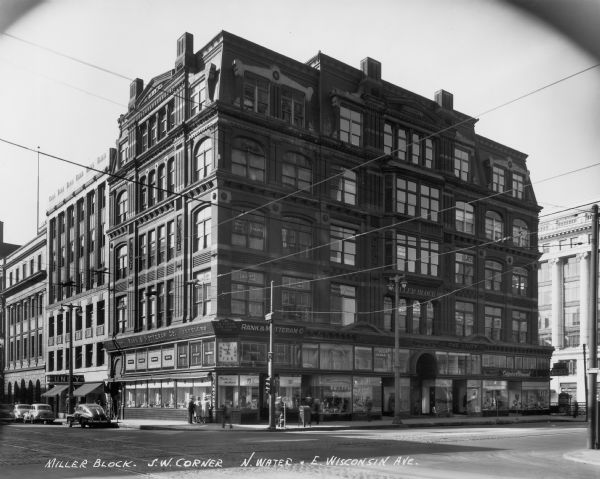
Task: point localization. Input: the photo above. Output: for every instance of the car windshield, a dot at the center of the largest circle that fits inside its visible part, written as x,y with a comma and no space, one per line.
45,407
96,409
23,406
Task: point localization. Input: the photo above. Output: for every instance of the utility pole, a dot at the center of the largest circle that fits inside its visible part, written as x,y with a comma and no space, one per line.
585,382
271,372
593,338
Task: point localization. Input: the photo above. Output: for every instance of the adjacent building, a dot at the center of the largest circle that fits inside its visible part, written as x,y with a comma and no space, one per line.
565,298
24,300
247,182
78,294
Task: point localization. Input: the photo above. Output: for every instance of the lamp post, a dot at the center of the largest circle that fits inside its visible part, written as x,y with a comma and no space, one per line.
397,282
70,323
271,371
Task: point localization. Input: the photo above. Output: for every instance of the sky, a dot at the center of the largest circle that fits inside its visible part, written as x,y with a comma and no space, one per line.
487,53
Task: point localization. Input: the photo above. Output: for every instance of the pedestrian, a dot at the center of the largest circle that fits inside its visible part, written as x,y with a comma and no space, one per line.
226,415
197,411
205,409
316,407
369,407
575,409
191,410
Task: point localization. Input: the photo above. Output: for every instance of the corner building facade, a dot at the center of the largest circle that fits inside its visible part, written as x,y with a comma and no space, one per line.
241,168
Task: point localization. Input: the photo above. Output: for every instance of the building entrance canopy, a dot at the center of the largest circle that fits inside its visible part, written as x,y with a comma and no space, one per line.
55,391
87,388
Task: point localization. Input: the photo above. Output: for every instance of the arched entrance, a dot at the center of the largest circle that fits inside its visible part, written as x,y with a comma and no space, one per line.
423,384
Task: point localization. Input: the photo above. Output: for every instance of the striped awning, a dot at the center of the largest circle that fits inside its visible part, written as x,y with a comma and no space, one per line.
55,391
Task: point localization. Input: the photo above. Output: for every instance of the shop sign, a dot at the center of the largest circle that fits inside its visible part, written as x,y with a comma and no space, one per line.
168,357
290,381
154,359
248,380
130,362
64,378
175,334
228,380
228,327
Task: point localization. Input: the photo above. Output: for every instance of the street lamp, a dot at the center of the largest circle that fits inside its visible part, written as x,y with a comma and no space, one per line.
62,310
397,282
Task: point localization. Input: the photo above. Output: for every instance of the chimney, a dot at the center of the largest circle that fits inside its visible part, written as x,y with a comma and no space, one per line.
445,99
371,68
135,90
185,51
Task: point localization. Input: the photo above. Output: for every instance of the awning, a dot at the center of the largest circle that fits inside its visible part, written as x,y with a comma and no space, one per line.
55,391
87,388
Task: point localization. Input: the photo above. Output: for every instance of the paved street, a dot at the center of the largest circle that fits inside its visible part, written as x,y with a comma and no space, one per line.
527,450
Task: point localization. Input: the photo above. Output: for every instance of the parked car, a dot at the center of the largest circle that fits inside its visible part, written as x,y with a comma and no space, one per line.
6,413
39,413
89,415
20,410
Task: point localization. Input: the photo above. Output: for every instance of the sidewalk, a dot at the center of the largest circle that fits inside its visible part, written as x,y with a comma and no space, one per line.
383,423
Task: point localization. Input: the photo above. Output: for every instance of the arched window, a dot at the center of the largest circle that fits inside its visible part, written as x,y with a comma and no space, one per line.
494,226
493,276
465,217
121,262
202,226
296,171
121,207
520,234
203,159
248,160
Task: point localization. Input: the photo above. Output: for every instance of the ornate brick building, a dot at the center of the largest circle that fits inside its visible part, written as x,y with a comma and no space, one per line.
240,168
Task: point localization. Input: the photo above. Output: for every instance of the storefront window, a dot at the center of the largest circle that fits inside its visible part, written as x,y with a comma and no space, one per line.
228,390
536,395
141,395
249,391
366,391
334,393
389,400
168,394
475,364
495,396
473,397
184,391
443,396
154,395
202,388
363,358
310,355
289,390
515,401
383,360
336,356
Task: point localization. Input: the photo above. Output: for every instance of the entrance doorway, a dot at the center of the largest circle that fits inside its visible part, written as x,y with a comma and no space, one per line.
423,388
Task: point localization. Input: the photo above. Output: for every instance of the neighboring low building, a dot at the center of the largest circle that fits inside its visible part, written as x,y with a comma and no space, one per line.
24,298
564,297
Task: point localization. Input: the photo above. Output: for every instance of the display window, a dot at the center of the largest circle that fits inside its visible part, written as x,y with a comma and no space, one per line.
289,390
154,394
228,390
442,393
515,398
334,393
249,392
389,400
141,395
536,395
473,397
495,396
184,391
366,395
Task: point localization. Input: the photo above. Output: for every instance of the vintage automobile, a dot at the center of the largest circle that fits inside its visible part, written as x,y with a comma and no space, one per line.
89,415
6,413
39,413
20,410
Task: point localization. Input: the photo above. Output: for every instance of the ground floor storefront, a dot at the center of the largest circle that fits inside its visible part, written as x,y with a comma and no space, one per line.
88,388
336,374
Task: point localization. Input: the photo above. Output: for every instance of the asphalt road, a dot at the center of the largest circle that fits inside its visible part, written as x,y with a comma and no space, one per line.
522,451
